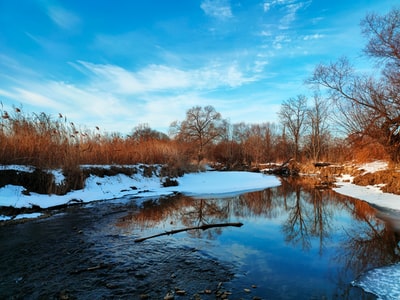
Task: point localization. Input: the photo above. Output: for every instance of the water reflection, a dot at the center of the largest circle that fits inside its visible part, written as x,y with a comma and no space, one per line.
336,237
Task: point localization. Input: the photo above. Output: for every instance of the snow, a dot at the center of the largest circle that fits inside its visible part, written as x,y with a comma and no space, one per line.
384,281
369,193
28,169
225,182
111,187
374,166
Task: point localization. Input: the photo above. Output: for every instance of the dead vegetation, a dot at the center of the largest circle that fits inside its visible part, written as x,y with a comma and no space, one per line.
46,142
42,181
49,143
389,180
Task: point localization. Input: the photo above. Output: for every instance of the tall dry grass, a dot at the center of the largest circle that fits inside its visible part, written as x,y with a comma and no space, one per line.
54,142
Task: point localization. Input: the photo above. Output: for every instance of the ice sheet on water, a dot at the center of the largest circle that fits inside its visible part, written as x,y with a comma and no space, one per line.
383,282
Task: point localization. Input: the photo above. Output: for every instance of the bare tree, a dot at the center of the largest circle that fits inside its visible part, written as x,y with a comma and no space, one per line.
317,123
143,132
292,116
370,105
384,36
202,126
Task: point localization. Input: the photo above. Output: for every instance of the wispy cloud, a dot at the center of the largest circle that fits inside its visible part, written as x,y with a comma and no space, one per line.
154,78
81,104
291,7
62,17
156,94
270,4
219,9
316,36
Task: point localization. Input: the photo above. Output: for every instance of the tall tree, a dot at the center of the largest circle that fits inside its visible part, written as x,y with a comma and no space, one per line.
202,126
292,115
370,104
317,125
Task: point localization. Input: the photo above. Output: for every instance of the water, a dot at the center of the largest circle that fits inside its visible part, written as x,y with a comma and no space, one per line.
296,242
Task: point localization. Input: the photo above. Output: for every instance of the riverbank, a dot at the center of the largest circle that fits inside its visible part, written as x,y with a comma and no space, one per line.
102,183
365,182
17,202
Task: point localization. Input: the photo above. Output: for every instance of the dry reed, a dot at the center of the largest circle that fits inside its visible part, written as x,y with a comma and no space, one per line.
47,142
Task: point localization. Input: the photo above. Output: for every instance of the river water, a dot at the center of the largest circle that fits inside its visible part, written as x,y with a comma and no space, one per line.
296,242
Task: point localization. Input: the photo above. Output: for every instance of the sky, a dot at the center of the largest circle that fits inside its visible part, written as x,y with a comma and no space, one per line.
120,64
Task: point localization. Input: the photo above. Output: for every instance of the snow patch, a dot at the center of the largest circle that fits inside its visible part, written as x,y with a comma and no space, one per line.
58,176
28,169
382,282
370,194
111,187
374,166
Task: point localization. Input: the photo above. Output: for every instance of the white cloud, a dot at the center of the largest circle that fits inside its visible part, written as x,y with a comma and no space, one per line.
280,40
266,33
313,37
156,78
219,9
291,8
259,65
290,15
62,17
112,97
34,98
267,6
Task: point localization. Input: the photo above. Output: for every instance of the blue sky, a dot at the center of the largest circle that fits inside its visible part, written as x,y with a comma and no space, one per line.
117,64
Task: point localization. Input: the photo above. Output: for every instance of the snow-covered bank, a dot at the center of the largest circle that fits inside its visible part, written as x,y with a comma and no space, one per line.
370,194
382,282
111,187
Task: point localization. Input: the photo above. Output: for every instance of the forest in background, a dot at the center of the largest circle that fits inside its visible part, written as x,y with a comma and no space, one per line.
351,116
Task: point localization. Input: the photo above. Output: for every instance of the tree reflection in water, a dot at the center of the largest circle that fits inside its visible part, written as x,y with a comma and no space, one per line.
310,220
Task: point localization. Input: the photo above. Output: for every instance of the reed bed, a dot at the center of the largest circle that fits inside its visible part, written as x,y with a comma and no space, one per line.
44,141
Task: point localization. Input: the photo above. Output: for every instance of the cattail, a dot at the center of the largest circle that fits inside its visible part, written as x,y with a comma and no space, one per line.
17,110
6,115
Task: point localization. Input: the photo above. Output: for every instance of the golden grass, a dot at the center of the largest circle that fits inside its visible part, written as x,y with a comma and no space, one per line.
54,142
46,142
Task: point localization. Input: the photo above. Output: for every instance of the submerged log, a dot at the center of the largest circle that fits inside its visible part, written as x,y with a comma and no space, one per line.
202,227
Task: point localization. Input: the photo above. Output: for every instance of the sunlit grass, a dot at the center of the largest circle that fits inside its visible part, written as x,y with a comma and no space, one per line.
44,141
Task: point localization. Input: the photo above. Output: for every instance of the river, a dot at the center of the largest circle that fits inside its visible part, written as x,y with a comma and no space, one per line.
296,242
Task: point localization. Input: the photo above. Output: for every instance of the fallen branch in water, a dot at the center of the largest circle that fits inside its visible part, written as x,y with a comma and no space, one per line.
202,227
97,267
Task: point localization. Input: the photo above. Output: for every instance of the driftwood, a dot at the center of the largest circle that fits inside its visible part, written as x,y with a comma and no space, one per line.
97,267
321,164
202,227
288,168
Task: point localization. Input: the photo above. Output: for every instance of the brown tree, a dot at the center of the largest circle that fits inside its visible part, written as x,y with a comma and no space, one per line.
202,126
317,123
292,116
369,104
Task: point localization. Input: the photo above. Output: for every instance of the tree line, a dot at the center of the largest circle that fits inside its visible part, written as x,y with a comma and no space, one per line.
349,116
